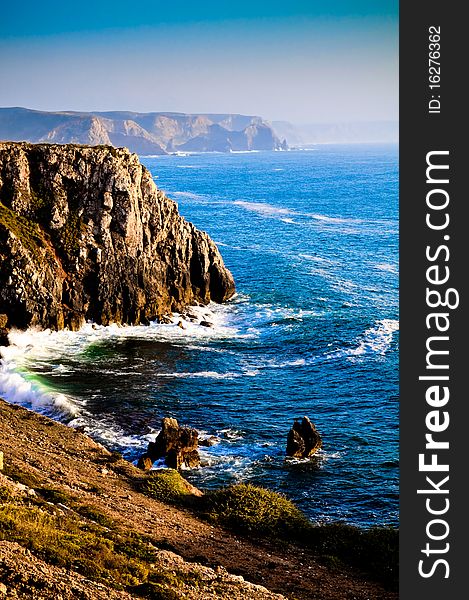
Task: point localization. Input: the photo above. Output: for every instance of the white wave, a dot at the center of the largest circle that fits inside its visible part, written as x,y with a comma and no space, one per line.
32,348
271,211
263,208
290,221
17,389
315,258
281,364
344,286
230,433
386,267
202,374
376,340
327,219
36,346
244,151
190,195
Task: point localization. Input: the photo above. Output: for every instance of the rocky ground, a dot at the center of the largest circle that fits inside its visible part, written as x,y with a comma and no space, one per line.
190,558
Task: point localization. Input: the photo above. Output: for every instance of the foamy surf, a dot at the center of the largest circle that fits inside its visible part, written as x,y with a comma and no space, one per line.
375,340
33,354
21,388
262,208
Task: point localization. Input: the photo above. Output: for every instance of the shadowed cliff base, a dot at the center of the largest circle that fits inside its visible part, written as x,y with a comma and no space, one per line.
86,235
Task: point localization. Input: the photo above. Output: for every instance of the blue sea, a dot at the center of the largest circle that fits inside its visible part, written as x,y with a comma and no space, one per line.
311,238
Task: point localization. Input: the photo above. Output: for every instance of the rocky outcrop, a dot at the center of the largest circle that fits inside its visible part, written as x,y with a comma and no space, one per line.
86,235
177,445
303,439
144,133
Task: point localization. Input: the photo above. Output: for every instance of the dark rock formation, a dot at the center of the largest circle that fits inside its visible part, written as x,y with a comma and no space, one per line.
177,445
303,439
86,235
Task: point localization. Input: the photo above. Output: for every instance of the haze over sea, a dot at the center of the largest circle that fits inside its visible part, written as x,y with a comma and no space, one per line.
311,238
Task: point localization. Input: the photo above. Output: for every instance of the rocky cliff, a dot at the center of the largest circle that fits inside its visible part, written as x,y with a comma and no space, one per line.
143,133
86,235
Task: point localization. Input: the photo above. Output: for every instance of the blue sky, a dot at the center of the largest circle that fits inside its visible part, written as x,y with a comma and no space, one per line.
315,61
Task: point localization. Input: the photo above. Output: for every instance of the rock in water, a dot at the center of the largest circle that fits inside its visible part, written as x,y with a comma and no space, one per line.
86,235
303,439
178,445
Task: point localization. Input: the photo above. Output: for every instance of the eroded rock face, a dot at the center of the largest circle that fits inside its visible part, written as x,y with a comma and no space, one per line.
177,445
86,235
303,439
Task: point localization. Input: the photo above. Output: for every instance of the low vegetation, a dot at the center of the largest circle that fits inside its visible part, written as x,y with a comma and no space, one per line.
246,508
255,510
84,540
167,485
28,232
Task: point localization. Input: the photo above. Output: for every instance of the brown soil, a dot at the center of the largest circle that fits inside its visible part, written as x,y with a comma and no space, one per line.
50,454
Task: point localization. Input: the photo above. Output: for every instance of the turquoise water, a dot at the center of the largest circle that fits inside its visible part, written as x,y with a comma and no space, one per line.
312,241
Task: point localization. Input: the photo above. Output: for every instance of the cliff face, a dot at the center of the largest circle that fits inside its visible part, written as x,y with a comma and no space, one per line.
143,133
86,235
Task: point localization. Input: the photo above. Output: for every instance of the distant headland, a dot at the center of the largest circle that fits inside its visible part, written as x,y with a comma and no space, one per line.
143,133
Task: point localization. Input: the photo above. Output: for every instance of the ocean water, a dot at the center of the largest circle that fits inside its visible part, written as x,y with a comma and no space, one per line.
312,240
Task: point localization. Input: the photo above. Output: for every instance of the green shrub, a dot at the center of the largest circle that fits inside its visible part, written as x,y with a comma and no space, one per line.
166,485
255,509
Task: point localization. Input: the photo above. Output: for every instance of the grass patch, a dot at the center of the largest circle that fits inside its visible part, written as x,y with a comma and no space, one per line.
13,472
166,485
5,495
70,236
90,512
256,510
135,545
120,559
66,541
28,232
162,586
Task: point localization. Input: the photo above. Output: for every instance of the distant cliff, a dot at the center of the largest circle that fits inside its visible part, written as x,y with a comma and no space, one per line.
143,133
85,234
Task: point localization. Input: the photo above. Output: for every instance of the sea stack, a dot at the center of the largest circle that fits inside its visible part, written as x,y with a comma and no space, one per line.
86,235
177,445
303,439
